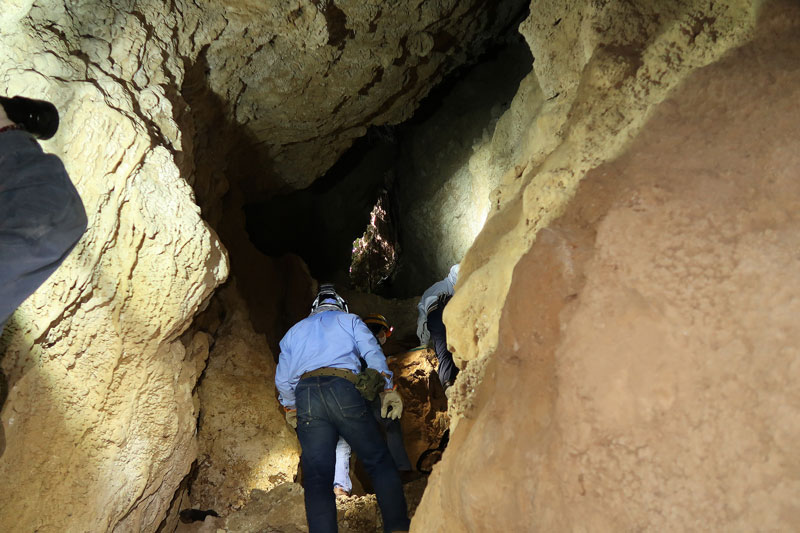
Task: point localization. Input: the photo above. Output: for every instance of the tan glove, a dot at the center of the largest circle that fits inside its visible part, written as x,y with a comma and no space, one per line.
291,417
391,398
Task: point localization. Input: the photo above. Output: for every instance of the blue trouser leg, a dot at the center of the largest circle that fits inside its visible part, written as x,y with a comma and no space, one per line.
318,438
326,408
447,369
342,475
394,440
394,437
41,218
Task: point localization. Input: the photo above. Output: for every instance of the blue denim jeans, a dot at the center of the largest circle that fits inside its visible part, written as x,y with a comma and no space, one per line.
394,437
447,368
328,407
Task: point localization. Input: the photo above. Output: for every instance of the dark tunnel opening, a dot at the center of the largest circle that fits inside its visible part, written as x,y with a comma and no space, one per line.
321,223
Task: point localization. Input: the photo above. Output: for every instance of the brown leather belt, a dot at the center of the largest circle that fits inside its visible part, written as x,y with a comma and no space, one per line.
328,371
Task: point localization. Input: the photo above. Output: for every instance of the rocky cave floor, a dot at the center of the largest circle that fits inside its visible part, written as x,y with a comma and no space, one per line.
281,509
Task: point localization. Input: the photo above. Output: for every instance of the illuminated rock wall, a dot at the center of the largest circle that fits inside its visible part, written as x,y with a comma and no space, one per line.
443,183
599,71
100,416
244,441
99,421
646,369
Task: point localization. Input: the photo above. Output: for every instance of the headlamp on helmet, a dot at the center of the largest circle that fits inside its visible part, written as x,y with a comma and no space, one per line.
327,295
376,323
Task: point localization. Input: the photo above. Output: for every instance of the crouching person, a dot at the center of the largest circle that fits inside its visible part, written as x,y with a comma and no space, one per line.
316,375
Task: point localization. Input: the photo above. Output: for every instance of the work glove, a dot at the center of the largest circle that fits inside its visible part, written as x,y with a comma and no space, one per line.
291,417
391,398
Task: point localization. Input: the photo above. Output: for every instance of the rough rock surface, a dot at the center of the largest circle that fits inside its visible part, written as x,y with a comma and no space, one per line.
424,419
282,510
600,68
443,185
649,335
306,77
100,418
244,442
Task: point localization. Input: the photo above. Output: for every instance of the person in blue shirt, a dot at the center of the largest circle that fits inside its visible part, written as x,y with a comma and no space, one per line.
42,216
319,360
431,328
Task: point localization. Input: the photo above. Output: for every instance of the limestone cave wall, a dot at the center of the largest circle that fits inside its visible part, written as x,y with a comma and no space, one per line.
101,409
648,334
624,318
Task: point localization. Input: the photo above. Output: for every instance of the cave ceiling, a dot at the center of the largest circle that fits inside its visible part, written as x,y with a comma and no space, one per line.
302,80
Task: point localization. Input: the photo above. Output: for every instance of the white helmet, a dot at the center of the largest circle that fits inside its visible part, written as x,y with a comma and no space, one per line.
327,295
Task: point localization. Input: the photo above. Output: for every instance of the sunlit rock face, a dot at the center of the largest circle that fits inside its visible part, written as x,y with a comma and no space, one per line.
599,70
244,441
646,368
100,417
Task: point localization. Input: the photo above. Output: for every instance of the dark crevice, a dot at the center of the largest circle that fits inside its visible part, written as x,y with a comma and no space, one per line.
321,223
336,21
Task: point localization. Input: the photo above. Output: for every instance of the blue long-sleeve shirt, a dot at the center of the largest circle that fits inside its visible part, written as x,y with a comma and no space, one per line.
431,294
326,339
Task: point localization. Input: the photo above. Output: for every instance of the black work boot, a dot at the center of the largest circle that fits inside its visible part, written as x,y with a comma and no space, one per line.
37,117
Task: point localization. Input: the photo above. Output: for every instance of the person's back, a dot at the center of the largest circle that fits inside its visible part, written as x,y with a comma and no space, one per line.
331,339
316,380
330,335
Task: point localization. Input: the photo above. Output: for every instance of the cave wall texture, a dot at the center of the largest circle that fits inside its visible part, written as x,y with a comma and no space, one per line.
632,367
99,421
649,335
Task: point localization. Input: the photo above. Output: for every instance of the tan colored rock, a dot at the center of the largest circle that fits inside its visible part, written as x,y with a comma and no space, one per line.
600,70
306,78
244,441
646,370
282,510
424,419
100,416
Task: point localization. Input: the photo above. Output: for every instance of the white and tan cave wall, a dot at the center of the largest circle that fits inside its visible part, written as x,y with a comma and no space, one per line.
100,417
624,316
648,334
